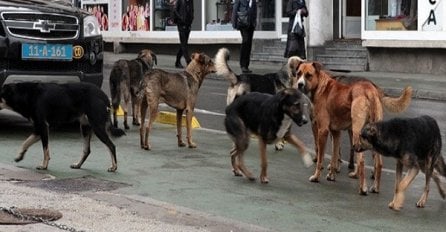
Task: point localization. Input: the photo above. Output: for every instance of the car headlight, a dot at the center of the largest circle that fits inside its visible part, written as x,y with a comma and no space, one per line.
91,26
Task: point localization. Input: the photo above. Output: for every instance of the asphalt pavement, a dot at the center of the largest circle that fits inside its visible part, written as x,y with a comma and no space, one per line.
104,209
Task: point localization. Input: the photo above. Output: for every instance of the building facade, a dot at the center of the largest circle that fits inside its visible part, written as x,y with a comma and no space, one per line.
410,33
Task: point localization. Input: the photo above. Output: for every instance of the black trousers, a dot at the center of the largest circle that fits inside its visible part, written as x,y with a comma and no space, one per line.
245,48
184,32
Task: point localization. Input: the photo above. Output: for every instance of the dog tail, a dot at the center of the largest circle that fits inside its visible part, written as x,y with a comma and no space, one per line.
221,64
398,104
440,166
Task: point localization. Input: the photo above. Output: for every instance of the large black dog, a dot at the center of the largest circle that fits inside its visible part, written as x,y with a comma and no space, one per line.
416,144
270,118
47,103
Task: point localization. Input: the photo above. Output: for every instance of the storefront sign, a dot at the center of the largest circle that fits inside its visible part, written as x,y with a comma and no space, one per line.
432,14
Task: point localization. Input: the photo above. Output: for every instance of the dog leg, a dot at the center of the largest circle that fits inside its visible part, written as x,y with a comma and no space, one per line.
336,137
361,174
405,182
398,177
179,127
142,131
263,162
189,116
306,157
428,172
44,138
437,181
153,108
321,141
280,145
103,136
234,162
351,160
241,142
32,139
86,135
377,172
136,106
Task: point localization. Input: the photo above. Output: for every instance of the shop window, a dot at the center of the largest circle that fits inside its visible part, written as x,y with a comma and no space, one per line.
135,15
383,15
219,14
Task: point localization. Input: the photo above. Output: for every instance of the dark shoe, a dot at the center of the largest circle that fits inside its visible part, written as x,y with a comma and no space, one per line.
246,70
178,65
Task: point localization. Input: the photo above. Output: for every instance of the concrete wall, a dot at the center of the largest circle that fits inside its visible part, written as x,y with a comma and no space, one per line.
409,60
319,22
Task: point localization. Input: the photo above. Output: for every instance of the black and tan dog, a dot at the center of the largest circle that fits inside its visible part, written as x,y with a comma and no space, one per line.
46,103
269,83
178,90
270,118
416,144
338,107
124,83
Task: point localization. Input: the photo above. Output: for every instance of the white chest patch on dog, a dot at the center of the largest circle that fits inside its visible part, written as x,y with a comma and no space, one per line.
284,127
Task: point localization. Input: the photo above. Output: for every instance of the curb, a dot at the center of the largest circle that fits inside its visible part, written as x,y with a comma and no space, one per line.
166,117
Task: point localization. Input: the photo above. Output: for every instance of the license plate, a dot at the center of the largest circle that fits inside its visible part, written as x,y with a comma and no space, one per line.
47,51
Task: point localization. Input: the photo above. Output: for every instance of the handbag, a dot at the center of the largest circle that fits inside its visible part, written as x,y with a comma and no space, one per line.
298,27
242,19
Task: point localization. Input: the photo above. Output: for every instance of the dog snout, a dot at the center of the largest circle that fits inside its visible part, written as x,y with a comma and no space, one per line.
304,120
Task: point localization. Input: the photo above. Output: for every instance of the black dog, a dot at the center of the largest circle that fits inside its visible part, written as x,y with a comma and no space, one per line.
267,116
416,144
47,103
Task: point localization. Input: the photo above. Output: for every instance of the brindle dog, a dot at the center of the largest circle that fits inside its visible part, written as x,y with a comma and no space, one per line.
178,90
124,83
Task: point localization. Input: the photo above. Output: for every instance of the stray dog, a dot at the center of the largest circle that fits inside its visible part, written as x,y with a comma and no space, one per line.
124,83
269,83
270,118
47,103
338,107
178,90
416,144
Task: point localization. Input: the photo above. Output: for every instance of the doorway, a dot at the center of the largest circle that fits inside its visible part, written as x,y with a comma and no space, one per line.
351,19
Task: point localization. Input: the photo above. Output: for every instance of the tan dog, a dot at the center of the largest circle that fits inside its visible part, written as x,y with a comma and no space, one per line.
178,90
124,83
338,107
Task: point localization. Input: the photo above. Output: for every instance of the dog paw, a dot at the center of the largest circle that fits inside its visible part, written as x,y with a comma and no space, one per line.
75,166
331,177
314,179
353,175
192,145
421,203
237,172
181,144
363,191
112,169
374,189
41,168
393,206
264,180
18,159
251,178
279,146
308,161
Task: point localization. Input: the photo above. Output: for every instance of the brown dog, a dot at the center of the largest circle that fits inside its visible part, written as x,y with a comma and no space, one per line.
124,83
338,107
178,90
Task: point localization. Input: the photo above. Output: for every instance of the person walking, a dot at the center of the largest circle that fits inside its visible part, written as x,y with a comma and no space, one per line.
183,17
295,44
244,19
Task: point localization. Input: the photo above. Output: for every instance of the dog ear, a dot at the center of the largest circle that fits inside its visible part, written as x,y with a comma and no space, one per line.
293,65
317,66
155,60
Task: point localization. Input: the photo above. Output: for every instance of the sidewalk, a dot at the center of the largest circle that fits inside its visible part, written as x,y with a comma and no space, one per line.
425,86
